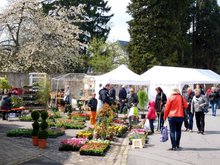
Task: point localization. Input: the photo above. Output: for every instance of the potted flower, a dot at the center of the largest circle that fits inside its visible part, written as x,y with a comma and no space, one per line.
43,134
35,116
142,98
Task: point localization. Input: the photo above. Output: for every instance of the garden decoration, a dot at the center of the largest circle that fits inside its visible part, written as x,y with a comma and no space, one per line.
35,116
43,134
138,137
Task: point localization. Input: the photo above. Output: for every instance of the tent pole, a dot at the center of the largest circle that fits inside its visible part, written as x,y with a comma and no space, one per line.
55,104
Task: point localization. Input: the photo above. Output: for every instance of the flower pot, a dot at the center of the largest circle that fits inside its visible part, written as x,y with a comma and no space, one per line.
42,143
35,140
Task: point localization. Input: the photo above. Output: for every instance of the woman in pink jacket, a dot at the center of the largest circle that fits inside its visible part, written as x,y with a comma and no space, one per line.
151,115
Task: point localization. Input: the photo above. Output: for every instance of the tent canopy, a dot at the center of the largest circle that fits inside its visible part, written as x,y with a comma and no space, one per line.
121,75
168,77
177,75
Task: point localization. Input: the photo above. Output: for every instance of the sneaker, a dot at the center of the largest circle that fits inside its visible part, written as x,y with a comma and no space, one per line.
198,132
190,131
202,133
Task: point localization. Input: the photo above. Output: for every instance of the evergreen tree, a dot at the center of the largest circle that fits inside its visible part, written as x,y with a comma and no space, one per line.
205,34
95,14
158,33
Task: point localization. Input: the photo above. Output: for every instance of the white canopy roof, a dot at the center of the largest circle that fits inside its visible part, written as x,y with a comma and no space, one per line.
167,77
121,75
177,75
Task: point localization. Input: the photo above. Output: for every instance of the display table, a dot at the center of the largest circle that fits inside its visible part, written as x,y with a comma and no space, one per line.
14,112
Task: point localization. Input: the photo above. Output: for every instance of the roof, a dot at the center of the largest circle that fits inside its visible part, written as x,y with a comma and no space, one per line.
122,75
179,75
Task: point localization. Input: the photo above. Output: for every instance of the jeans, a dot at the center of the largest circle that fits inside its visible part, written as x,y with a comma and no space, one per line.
200,121
214,106
160,121
175,124
151,123
191,115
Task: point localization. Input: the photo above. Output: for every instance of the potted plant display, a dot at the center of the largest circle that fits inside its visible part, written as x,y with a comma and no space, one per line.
142,98
43,134
35,116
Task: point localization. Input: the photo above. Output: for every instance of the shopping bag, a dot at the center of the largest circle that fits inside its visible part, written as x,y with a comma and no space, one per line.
147,124
133,111
164,134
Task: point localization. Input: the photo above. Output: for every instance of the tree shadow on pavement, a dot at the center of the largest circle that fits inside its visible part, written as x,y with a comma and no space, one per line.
200,149
212,132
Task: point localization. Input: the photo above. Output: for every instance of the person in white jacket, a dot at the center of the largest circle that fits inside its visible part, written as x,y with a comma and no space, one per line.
198,105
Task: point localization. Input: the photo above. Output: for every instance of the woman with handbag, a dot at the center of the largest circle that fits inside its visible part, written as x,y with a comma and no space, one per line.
174,111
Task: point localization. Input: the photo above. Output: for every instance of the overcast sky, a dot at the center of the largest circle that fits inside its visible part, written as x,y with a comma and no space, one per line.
118,22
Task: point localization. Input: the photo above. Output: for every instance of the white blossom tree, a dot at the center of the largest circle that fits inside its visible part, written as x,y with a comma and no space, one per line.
33,41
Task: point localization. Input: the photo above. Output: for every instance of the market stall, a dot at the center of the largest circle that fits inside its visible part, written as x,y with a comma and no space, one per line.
168,77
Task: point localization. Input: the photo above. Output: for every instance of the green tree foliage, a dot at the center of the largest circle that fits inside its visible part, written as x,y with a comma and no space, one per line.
205,34
105,56
157,33
95,14
173,32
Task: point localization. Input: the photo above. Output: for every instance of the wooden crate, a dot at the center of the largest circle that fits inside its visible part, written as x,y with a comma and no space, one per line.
138,143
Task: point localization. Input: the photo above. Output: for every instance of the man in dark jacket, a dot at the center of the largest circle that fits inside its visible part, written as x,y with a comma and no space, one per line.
104,95
133,99
6,105
132,103
122,98
213,98
189,118
112,94
93,106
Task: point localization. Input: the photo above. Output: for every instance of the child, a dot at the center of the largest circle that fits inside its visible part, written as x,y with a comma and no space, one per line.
151,115
93,105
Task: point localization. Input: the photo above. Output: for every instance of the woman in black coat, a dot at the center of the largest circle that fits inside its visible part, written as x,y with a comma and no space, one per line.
160,102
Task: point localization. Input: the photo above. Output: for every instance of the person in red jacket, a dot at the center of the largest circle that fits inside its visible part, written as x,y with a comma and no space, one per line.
174,111
151,115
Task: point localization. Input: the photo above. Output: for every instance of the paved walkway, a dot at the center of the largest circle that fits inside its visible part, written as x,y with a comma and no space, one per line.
20,150
197,149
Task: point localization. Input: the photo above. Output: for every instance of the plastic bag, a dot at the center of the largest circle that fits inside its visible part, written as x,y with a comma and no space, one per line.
133,111
164,134
147,124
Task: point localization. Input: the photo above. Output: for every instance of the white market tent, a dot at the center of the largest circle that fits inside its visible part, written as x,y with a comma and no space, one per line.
121,76
168,77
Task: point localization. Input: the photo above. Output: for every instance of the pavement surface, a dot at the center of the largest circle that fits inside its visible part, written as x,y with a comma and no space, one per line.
196,149
19,150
